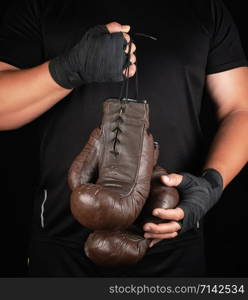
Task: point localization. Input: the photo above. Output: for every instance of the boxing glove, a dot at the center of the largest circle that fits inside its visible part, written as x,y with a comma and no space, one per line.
122,151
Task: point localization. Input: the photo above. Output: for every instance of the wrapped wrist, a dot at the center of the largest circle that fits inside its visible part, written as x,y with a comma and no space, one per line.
198,195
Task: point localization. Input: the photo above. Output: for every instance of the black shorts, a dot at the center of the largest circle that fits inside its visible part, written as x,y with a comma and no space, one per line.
53,258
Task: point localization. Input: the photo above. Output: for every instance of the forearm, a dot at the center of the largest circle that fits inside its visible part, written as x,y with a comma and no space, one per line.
26,94
229,151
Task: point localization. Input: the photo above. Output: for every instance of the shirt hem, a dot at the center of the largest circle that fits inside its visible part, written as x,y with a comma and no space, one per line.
13,63
227,66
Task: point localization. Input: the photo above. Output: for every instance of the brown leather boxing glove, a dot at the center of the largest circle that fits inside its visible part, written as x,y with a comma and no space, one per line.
122,152
118,248
84,167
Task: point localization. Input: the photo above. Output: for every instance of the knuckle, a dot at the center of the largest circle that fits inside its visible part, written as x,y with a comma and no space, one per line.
126,36
133,67
114,23
133,47
133,58
132,71
112,26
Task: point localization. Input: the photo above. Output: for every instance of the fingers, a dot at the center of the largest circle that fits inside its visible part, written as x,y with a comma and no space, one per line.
133,48
132,58
132,67
175,214
132,70
172,179
161,231
117,27
163,228
161,235
127,37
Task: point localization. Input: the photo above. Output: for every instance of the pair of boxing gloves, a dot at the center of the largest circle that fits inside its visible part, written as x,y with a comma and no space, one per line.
115,183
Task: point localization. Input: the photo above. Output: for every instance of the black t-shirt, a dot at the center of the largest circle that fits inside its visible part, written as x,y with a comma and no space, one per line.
195,38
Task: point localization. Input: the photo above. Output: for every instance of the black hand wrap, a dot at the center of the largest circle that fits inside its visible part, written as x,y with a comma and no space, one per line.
98,57
198,195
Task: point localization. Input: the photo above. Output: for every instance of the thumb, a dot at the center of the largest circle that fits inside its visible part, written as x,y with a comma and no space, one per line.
117,27
171,179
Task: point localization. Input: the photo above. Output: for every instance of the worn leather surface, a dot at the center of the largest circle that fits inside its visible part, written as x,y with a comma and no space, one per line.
115,248
127,247
84,167
124,152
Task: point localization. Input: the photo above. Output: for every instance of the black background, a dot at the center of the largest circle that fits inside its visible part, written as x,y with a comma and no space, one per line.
225,225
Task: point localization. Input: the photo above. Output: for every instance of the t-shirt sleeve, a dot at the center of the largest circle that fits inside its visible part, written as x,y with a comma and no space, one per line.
225,51
20,34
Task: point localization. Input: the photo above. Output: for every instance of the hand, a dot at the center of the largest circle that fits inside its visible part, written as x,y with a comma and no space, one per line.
116,27
100,56
170,229
164,230
198,195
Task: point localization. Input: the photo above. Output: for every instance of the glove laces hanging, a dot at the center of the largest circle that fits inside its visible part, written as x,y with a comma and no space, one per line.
125,99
